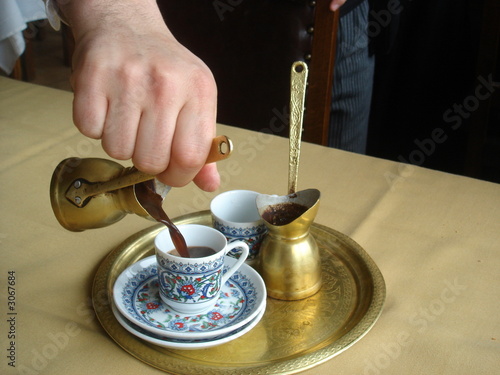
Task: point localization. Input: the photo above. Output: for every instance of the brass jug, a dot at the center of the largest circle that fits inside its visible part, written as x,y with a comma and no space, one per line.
100,210
290,261
93,193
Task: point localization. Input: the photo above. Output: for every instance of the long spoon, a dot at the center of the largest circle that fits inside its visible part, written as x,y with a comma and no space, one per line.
298,82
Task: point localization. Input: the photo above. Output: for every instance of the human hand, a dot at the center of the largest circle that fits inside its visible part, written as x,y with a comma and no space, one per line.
336,4
142,93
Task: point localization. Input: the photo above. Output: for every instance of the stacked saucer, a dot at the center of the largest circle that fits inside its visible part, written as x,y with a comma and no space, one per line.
140,310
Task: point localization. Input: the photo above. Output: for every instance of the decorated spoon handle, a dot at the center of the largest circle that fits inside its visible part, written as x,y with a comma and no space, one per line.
298,81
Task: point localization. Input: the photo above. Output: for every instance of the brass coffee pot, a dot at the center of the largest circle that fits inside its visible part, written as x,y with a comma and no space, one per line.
93,193
290,261
289,257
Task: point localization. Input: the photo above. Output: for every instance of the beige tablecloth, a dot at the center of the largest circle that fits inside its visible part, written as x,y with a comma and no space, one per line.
434,236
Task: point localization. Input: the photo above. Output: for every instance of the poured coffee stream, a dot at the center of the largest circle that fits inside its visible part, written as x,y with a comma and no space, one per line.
152,203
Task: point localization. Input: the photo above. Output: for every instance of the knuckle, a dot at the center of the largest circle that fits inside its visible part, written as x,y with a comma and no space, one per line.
87,123
131,70
190,159
149,164
134,81
163,83
204,83
116,150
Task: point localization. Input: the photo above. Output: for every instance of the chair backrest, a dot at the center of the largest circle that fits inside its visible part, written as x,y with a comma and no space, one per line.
319,94
250,47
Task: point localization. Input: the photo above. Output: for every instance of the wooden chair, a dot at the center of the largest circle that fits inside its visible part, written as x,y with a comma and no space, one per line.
250,47
24,70
317,114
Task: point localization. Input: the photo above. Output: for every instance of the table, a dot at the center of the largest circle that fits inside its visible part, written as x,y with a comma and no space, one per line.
434,236
14,18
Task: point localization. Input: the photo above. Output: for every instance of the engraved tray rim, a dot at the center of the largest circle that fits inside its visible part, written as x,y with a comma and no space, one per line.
139,245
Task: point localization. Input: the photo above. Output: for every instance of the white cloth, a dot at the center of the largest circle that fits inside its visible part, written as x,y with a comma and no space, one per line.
14,18
53,14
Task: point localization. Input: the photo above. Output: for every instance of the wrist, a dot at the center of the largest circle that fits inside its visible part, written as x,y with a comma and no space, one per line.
87,15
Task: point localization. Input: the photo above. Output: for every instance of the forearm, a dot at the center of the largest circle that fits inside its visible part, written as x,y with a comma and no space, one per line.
85,15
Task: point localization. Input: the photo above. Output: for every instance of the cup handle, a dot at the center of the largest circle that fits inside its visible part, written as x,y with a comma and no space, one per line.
244,255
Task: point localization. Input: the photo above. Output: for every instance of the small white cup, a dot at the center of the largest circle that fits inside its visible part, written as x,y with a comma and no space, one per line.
235,214
192,285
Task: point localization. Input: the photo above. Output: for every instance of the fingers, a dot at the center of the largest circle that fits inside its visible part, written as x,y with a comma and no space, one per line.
120,128
208,178
154,136
90,105
194,131
110,113
336,4
157,107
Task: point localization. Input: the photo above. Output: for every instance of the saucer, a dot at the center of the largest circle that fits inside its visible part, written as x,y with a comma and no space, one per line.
172,343
137,298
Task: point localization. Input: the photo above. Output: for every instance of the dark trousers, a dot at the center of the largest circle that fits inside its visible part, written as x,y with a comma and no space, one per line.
352,83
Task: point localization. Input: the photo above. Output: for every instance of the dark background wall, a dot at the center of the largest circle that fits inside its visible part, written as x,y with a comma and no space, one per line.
434,103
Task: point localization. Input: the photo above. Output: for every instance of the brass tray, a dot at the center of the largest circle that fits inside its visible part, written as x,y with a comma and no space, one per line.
291,337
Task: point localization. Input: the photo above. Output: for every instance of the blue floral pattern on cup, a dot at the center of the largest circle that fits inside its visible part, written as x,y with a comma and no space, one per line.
253,236
189,268
188,282
189,288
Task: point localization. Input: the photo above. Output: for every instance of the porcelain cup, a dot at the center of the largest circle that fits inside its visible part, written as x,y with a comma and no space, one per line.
235,214
192,285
